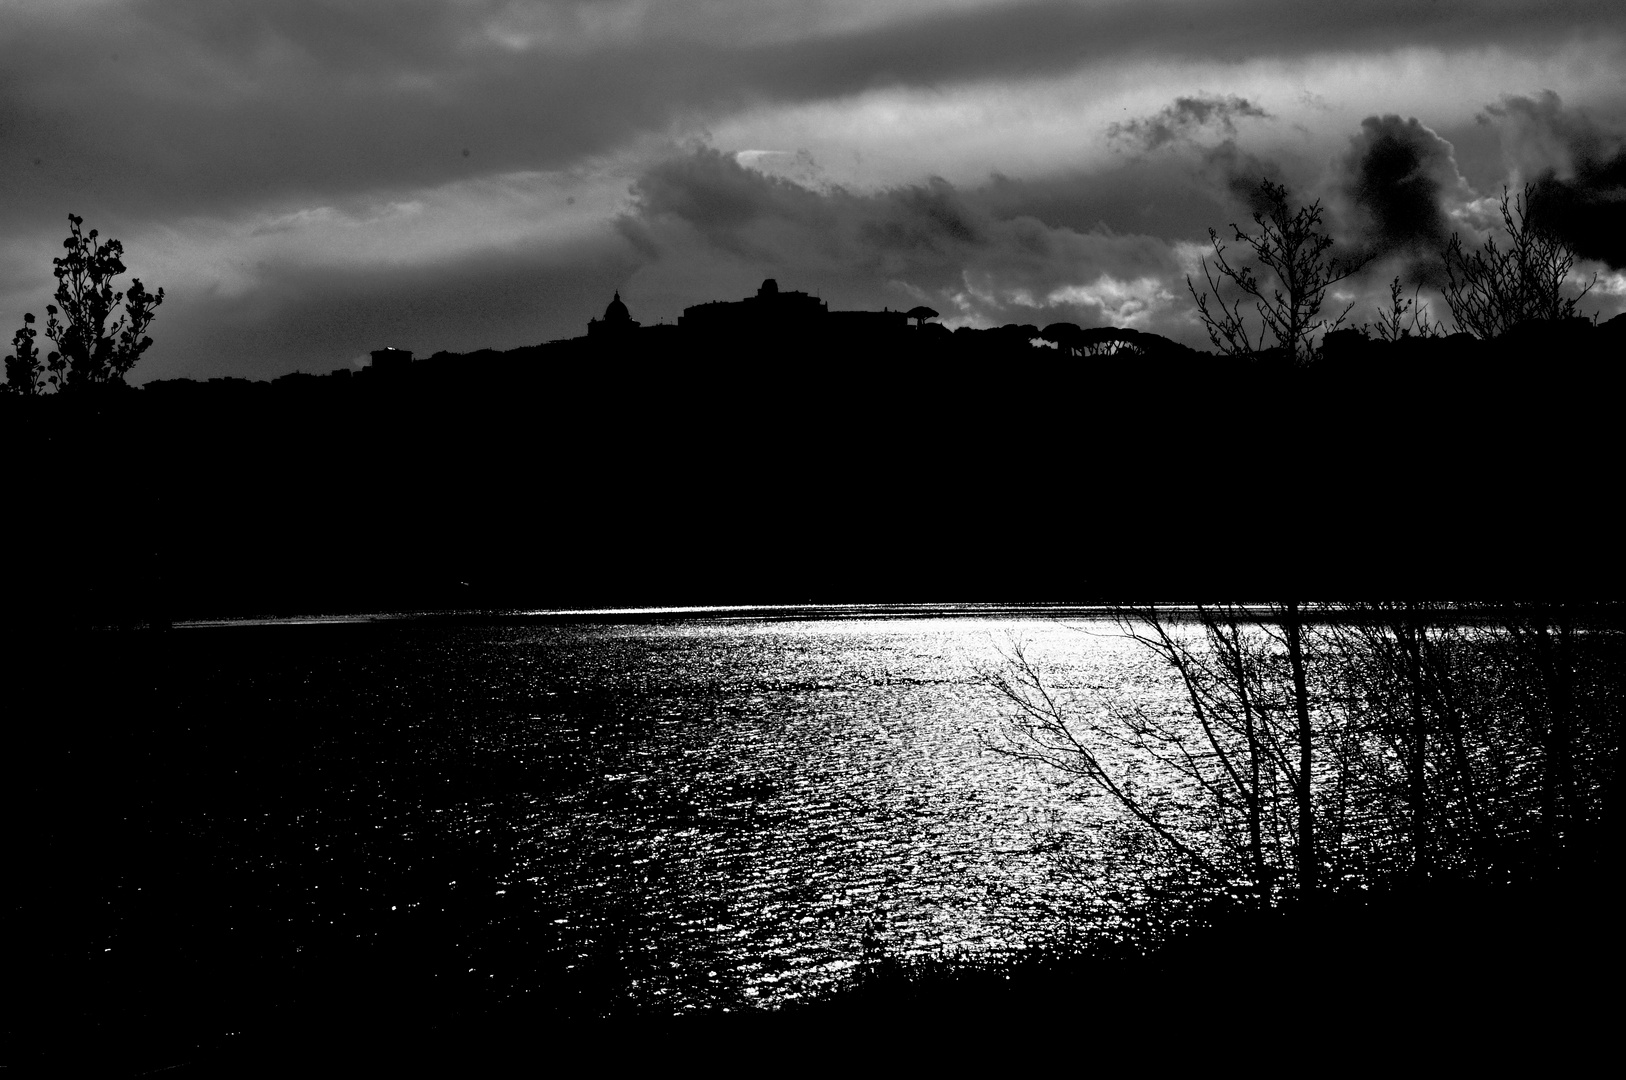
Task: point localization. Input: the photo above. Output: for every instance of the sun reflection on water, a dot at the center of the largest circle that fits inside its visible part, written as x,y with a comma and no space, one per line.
766,800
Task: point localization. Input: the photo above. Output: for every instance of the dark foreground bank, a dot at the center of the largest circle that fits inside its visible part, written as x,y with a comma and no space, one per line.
1462,974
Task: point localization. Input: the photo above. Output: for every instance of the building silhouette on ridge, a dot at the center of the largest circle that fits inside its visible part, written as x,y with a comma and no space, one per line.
616,325
771,313
769,309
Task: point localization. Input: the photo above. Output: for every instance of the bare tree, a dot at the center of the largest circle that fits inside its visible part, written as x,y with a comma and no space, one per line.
1547,636
1404,317
1291,620
1390,648
1236,739
1291,251
1292,752
1494,289
1049,730
1469,735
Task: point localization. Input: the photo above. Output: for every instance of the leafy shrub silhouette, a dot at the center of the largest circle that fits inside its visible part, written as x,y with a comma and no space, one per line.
90,351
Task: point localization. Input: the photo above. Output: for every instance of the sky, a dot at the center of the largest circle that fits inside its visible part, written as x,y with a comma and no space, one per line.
312,179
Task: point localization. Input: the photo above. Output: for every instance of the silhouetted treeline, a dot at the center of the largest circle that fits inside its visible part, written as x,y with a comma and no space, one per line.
925,464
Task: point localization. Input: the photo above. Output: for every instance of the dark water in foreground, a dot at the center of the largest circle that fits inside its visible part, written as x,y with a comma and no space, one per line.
683,812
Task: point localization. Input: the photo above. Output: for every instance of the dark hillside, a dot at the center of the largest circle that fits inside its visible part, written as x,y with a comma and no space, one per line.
937,465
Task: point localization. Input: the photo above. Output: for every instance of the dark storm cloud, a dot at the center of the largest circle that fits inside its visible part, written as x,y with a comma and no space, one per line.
216,109
930,240
1183,119
1185,124
919,229
1395,176
353,34
1242,174
1139,196
1174,197
1577,169
199,104
1588,211
1539,134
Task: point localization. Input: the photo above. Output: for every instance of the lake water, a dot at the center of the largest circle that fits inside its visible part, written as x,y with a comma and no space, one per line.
703,810
376,828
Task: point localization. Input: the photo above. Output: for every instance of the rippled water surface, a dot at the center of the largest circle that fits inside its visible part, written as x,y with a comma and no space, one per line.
710,810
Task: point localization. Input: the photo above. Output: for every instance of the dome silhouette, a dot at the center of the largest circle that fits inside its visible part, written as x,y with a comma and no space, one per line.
617,322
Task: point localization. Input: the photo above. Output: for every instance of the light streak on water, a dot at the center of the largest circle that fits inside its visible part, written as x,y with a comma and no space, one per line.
728,809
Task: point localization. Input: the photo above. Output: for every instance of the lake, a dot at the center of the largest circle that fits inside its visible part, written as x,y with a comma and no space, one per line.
673,810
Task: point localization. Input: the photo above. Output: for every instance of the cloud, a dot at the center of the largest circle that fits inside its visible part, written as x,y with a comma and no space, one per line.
1397,177
1588,211
1183,119
1168,199
225,102
1118,302
1242,173
790,165
317,318
1577,171
1540,136
928,242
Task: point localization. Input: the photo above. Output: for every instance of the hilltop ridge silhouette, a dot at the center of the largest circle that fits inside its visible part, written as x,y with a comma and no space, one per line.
740,456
